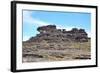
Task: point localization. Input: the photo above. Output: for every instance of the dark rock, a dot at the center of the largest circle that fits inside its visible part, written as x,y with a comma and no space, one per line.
49,33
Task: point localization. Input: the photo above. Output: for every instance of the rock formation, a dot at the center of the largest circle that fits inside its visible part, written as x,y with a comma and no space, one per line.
53,44
50,33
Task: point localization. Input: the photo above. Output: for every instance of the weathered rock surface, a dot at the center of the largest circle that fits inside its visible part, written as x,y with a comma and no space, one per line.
51,34
53,44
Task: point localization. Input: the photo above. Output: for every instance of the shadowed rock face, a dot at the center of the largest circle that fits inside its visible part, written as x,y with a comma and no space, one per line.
51,34
47,28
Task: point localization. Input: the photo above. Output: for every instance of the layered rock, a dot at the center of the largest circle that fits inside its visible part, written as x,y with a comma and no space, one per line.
50,33
53,44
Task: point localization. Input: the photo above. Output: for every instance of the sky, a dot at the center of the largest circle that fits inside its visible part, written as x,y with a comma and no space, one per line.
32,19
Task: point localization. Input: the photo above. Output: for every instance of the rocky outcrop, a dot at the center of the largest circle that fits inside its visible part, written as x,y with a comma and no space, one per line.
50,33
53,44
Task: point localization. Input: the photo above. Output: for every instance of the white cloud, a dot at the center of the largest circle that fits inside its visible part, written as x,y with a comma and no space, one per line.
63,27
25,38
89,33
67,28
27,16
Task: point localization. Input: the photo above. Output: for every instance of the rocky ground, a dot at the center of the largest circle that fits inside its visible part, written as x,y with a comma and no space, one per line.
43,51
55,55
